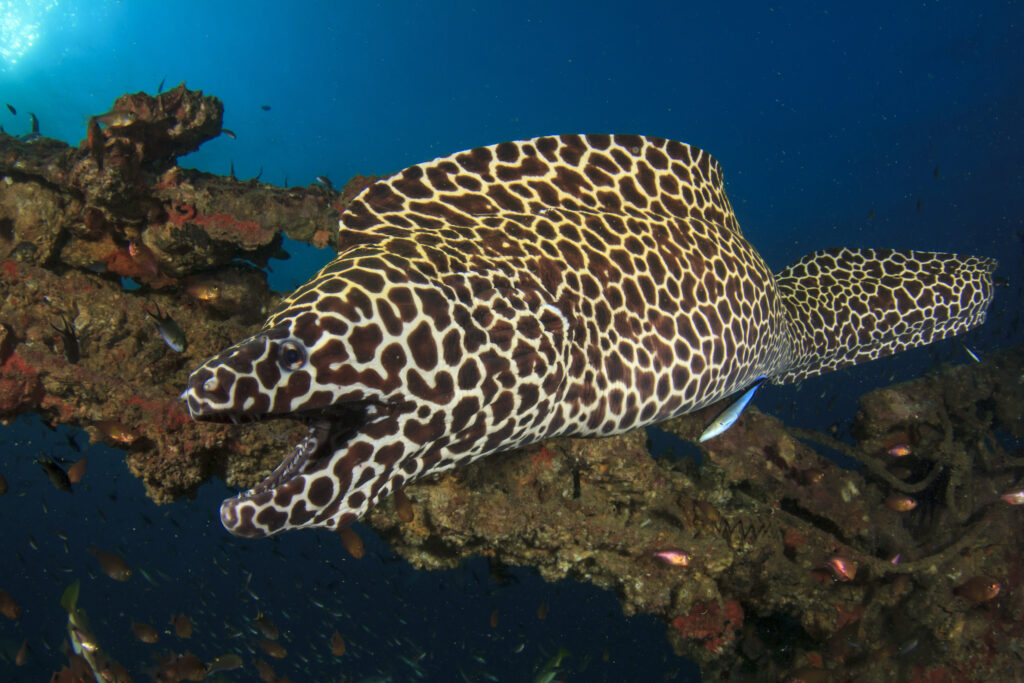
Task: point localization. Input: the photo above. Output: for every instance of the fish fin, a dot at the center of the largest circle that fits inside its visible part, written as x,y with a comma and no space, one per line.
847,306
69,599
628,175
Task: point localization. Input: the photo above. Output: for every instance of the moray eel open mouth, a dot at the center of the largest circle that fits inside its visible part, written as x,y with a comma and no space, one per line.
328,430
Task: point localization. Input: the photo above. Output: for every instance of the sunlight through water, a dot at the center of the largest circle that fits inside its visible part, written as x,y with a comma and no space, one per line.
19,27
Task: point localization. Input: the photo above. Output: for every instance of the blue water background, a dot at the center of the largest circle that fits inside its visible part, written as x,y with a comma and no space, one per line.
861,124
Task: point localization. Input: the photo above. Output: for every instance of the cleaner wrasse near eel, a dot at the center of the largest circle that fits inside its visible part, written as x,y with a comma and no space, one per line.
569,285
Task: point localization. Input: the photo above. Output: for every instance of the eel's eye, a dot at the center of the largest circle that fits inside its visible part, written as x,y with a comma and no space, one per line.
292,356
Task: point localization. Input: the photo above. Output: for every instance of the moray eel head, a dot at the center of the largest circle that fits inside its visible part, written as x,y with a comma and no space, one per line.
327,369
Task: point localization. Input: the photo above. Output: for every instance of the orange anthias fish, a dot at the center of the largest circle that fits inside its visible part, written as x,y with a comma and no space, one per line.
112,564
675,558
116,431
182,626
353,544
403,506
900,502
8,606
272,648
144,632
843,568
978,589
77,470
1014,497
900,450
337,644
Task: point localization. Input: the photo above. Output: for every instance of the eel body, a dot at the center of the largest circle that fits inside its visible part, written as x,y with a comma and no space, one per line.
568,285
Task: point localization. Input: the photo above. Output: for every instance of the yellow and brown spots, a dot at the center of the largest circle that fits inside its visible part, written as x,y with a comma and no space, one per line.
565,285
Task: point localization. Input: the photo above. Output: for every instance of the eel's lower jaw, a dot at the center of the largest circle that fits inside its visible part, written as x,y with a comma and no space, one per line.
328,431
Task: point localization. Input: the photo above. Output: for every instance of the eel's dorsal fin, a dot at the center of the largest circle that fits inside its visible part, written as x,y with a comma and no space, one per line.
630,175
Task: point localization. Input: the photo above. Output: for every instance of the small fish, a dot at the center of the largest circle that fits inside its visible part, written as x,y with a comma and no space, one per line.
95,140
3,485
729,416
84,643
170,331
77,470
144,632
899,450
265,671
552,667
35,123
871,213
272,648
918,204
843,568
403,506
337,644
22,656
542,611
265,107
9,606
266,626
57,476
256,178
29,137
676,558
232,170
203,287
229,133
228,662
353,544
144,257
116,431
908,647
325,181
494,619
10,108
896,558
182,626
900,502
935,173
182,667
1014,497
72,351
116,118
111,564
160,88
970,353
72,444
978,589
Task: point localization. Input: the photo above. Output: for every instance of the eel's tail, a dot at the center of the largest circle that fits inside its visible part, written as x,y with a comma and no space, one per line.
847,306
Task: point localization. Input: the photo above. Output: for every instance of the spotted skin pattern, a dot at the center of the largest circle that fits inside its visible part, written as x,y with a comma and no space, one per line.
571,285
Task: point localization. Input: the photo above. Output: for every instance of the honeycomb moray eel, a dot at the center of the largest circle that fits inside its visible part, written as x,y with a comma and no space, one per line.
571,285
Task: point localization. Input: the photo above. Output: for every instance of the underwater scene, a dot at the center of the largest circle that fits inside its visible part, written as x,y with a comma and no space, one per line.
534,341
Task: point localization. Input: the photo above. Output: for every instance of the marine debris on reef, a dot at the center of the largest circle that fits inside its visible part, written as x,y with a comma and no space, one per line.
767,562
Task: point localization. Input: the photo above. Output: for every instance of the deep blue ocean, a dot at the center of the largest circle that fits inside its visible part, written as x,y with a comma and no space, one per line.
869,124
